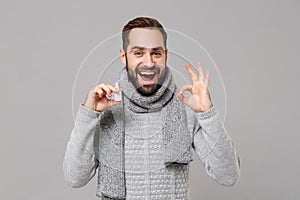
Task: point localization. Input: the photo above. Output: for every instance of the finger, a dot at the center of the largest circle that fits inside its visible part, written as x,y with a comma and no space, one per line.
114,89
112,103
182,98
201,77
191,72
99,92
105,90
207,77
186,87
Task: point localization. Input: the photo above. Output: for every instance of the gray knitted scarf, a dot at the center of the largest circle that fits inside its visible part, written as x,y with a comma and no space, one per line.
176,138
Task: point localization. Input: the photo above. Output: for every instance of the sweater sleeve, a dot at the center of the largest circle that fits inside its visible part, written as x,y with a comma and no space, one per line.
80,164
215,148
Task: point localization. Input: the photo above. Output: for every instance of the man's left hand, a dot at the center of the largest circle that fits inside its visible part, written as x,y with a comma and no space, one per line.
199,100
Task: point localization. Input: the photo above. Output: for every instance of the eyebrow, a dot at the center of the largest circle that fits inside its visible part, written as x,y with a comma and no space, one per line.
143,48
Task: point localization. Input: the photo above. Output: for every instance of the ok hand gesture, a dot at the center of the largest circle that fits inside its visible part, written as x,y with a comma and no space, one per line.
98,100
199,100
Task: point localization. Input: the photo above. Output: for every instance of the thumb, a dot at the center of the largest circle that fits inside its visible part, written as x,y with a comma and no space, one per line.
186,87
111,103
181,97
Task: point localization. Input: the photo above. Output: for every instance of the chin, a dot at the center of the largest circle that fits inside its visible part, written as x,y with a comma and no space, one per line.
148,90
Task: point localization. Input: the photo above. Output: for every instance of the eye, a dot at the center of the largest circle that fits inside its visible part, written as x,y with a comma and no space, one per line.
157,53
138,53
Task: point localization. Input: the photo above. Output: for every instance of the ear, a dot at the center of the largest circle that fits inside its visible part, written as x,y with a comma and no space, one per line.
166,52
122,56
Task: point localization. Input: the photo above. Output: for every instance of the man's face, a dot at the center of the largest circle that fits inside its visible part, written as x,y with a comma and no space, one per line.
146,59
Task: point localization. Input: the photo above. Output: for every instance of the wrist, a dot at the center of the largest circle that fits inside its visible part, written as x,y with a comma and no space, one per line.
204,108
89,105
89,112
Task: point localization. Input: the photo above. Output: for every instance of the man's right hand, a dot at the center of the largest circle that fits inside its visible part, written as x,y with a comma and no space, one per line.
97,98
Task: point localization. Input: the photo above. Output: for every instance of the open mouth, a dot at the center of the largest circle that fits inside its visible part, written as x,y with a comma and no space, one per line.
147,75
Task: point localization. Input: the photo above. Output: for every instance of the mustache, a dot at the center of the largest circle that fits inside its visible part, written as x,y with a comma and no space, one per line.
147,68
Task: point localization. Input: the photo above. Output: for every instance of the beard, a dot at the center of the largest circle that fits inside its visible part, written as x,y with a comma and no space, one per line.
137,74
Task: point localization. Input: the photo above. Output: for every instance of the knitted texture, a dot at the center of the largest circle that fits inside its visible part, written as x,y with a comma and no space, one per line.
147,176
176,138
212,145
147,151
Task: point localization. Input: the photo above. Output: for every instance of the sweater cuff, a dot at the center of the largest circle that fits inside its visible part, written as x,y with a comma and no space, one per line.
207,114
88,112
210,120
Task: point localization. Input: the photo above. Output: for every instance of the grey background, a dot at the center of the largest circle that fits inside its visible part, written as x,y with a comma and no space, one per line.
254,43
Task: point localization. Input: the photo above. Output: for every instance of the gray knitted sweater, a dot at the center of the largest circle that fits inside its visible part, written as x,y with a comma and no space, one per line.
146,175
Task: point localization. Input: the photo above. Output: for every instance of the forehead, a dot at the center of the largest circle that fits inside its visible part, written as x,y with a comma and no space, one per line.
145,37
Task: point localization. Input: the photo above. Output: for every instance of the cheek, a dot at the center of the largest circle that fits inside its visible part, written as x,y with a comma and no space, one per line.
133,63
161,62
131,68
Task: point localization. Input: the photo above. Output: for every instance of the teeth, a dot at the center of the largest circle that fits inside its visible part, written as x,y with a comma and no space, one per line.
147,73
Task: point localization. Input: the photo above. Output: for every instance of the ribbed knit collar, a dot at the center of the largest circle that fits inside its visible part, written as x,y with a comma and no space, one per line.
141,104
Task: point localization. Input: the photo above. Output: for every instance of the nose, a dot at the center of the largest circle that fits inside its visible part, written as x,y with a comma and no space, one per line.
148,60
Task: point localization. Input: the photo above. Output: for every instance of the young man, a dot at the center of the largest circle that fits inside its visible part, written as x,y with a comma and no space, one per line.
142,143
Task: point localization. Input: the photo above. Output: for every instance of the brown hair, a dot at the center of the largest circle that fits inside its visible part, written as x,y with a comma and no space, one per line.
142,22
